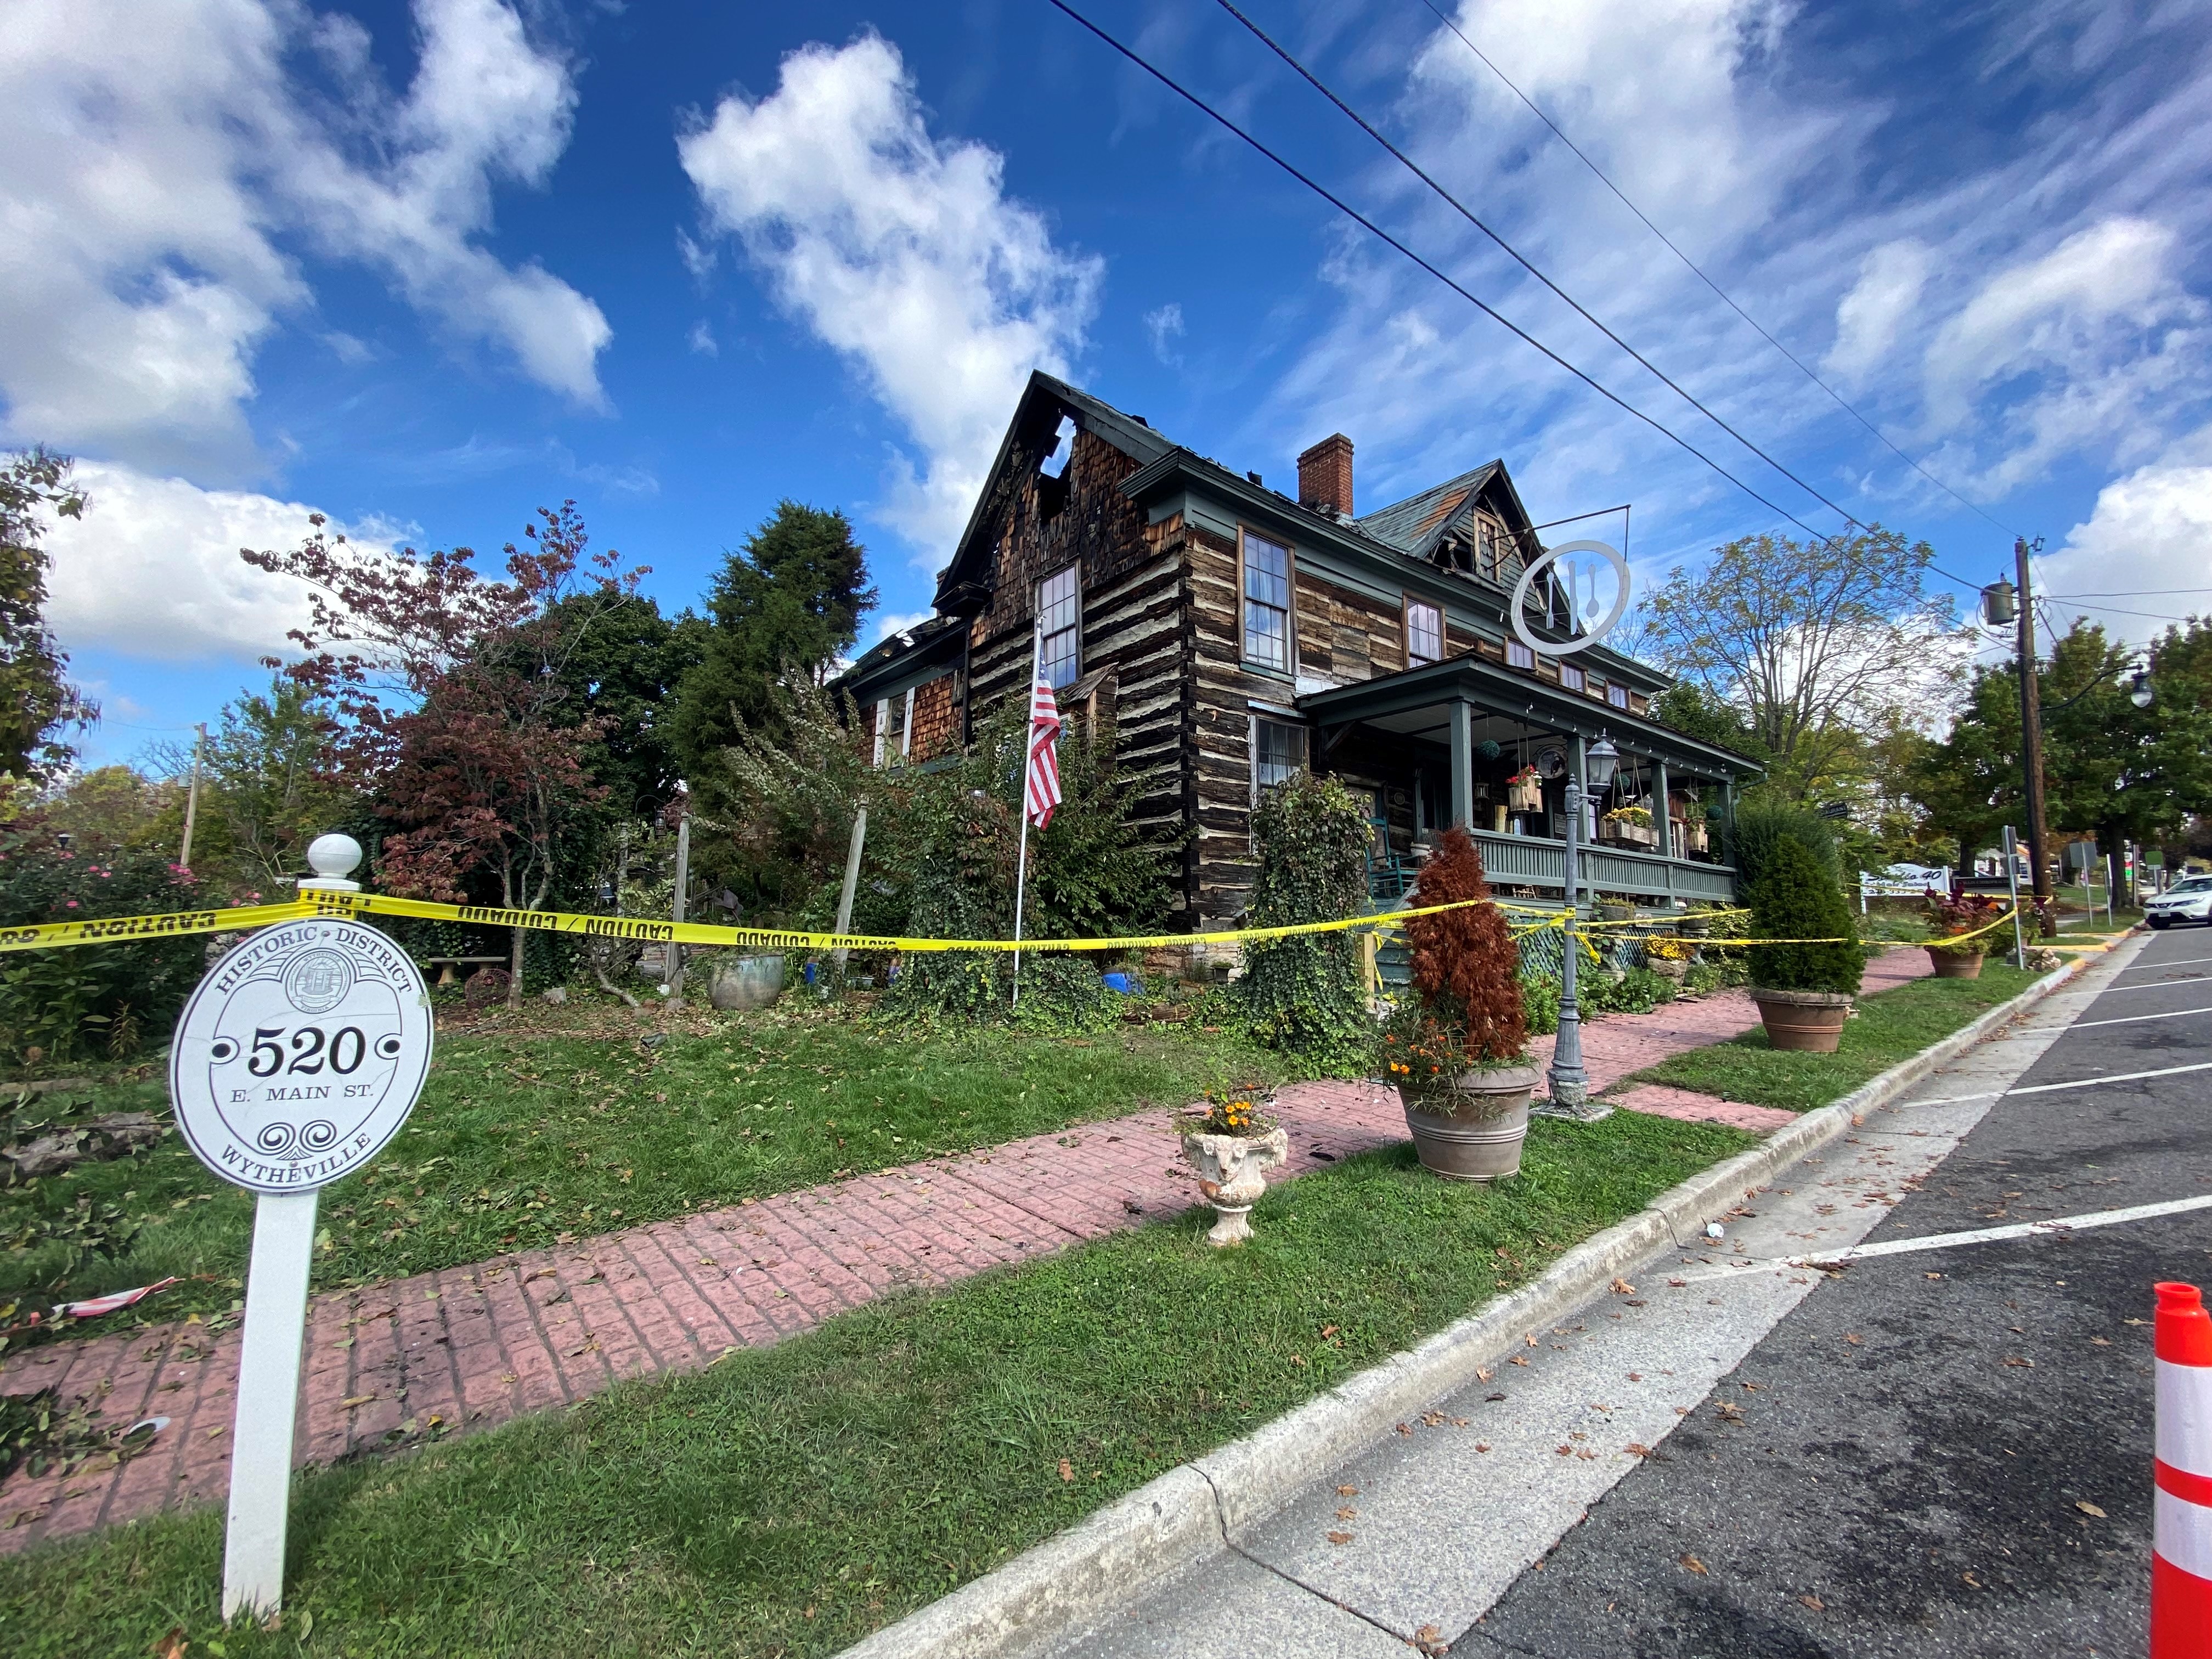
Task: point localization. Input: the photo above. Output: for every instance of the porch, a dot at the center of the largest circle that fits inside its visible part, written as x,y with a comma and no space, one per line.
1473,741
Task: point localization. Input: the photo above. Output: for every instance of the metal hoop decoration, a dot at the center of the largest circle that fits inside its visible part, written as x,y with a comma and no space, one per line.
1551,556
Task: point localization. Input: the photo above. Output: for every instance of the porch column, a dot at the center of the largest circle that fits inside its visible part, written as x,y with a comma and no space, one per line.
1728,815
1660,816
1462,764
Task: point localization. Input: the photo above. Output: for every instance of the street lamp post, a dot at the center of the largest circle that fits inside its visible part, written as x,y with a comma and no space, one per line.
1568,1082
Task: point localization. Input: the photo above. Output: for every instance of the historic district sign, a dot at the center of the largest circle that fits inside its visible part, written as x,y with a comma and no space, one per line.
301,1055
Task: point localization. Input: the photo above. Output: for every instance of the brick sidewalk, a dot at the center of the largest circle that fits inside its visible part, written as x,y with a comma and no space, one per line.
469,1347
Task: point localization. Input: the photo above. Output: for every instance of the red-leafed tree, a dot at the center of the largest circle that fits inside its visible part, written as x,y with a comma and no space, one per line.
456,715
1465,965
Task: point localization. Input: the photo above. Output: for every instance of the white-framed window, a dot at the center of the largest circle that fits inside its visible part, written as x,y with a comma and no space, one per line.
906,726
1617,695
1267,602
1279,749
1488,544
1518,655
1425,633
882,729
1571,677
1060,621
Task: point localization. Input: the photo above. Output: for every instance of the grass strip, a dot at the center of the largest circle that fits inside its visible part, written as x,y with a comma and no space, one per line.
788,1500
1889,1026
536,1137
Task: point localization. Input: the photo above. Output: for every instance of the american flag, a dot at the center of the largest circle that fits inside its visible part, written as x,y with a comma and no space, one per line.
1040,783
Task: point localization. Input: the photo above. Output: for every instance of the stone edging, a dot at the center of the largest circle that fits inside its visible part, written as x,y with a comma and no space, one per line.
1187,1514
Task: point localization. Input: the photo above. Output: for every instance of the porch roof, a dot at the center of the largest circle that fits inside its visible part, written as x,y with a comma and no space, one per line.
1390,699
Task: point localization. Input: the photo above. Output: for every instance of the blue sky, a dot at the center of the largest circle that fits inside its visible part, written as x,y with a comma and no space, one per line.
425,267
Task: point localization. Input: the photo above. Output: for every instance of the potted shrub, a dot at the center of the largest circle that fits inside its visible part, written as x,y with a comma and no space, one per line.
1232,1144
1951,955
1804,983
1457,1047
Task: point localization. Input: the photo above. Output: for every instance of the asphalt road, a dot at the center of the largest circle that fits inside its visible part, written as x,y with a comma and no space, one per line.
1935,1453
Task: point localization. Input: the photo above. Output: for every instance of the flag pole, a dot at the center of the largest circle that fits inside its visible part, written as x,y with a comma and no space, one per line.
1022,794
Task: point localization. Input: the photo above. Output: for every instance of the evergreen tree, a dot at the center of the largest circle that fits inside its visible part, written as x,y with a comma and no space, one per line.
1796,899
789,601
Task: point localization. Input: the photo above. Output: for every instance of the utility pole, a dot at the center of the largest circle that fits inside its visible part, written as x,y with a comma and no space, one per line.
192,800
2030,724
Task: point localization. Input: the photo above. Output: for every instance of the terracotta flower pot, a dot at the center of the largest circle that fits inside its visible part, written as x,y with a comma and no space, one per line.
1471,1128
1955,964
1805,1021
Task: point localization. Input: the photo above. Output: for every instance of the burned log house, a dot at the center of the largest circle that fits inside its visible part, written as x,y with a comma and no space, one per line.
1231,635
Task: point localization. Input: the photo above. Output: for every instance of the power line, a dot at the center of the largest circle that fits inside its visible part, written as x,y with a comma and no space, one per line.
2131,594
1522,259
1699,274
1380,234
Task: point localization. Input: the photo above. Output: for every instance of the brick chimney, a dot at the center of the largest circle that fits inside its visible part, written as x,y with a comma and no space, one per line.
1325,476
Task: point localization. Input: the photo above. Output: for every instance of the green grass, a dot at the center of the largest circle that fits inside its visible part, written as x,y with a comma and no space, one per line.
1889,1027
525,1137
788,1500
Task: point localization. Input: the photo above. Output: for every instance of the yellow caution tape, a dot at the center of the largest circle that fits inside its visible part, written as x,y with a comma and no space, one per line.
109,930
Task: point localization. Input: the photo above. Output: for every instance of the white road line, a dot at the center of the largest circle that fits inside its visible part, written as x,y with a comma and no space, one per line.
2022,1230
2046,1088
2186,979
2186,961
2136,1019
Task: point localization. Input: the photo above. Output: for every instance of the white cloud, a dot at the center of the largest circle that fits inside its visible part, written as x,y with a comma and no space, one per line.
154,179
2059,311
702,340
903,253
1165,326
2147,538
888,623
152,569
1882,301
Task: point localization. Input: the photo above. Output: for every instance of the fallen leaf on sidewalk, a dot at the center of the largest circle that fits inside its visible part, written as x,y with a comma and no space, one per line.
1345,1512
1566,1451
2135,1322
1430,1641
1347,1491
1493,1396
1482,1445
1676,1284
353,1399
1405,1428
2087,1507
171,1646
1340,1538
1635,1377
1695,1565
2100,1342
1067,1470
1519,1359
1973,1581
1622,1287
1531,1340
2024,1364
1931,1275
1855,1339
1814,1603
1480,1375
1637,1448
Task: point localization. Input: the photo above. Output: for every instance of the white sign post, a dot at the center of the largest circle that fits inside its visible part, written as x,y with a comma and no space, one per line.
296,1060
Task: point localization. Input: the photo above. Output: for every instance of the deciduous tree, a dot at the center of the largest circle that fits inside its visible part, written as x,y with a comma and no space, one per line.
38,704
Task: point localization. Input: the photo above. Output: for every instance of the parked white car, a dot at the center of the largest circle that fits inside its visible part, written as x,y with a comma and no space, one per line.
2186,901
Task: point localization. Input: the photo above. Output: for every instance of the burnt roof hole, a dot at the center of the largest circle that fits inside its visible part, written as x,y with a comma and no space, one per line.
1063,449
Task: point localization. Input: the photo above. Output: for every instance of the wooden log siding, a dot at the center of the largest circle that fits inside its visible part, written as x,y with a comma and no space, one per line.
1346,636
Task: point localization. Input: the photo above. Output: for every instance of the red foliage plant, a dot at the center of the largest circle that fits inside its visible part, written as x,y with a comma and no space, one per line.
1466,966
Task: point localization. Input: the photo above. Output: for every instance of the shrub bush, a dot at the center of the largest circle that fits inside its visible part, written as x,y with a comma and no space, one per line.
1797,899
1305,993
1539,1003
83,1001
1761,826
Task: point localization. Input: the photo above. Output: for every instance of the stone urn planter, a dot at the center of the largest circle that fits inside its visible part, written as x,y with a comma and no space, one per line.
1955,964
1673,968
1805,1021
742,983
1232,1172
1616,913
1471,1128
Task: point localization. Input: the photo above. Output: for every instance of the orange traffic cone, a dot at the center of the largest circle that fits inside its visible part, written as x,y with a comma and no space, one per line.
2181,1517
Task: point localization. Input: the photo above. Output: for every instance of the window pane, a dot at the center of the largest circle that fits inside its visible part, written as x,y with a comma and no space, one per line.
1519,654
1059,615
1266,573
1423,633
1278,750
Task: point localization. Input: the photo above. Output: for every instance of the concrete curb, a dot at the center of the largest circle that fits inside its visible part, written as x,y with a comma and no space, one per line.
1077,1577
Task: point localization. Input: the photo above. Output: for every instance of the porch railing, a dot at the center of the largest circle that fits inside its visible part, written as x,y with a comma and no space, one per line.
1527,861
